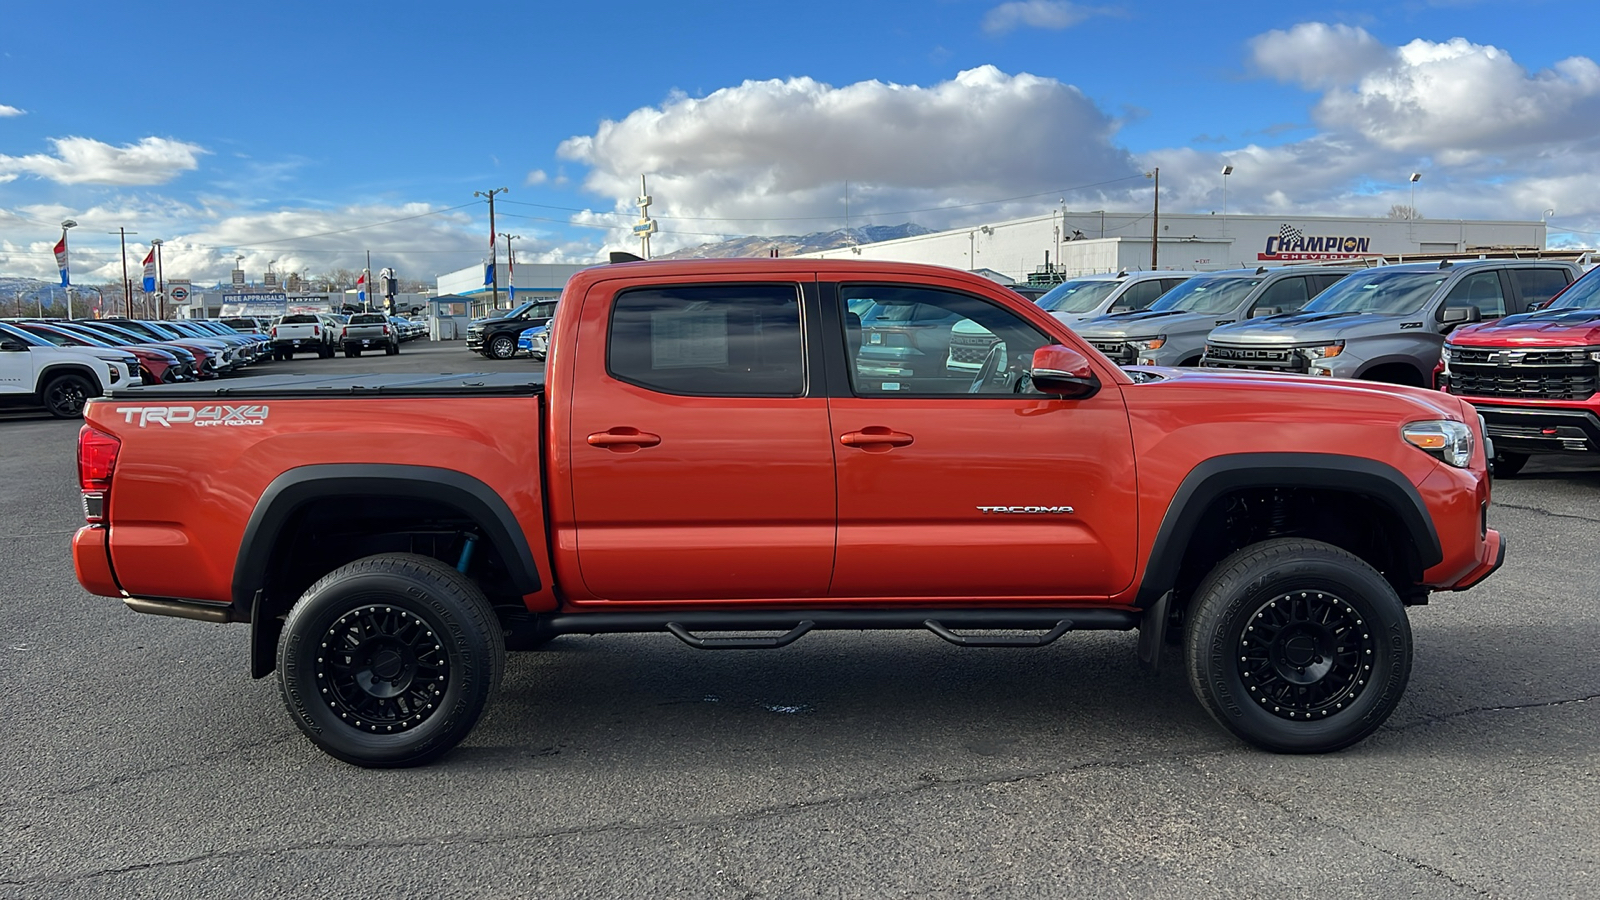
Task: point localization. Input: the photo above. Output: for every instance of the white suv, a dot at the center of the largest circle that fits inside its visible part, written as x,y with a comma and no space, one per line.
61,379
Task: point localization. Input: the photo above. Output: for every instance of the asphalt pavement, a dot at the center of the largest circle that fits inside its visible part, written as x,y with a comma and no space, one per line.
144,761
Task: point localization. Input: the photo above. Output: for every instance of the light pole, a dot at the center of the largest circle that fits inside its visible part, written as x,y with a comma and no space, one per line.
1415,177
1226,171
494,274
1155,222
65,224
161,287
127,285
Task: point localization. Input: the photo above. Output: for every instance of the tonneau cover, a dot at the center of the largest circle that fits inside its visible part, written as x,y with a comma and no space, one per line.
344,386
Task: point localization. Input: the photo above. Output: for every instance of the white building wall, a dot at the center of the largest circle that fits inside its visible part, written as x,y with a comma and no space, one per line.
1081,243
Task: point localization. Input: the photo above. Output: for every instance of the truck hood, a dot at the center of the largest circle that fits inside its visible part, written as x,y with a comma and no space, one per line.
1309,328
1298,394
1147,323
1547,328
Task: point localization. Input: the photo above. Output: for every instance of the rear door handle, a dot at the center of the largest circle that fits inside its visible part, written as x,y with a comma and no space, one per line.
624,440
875,439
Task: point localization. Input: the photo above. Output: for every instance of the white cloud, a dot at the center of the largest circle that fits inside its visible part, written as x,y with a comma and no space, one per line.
537,176
9,111
1049,14
79,160
774,156
1315,55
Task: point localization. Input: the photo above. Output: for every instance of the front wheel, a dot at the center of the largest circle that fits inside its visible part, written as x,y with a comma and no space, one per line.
390,661
65,395
1297,646
502,346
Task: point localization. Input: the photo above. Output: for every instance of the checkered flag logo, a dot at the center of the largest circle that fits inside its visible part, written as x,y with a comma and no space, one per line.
1288,233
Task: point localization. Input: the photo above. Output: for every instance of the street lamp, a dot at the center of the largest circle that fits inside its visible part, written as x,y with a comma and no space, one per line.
494,273
1415,177
1226,171
1155,220
65,224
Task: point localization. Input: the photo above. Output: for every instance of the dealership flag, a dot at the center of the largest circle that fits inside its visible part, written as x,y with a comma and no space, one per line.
150,271
61,258
361,287
511,274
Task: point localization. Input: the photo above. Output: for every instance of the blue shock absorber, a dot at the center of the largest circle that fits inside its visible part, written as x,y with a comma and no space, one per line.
466,553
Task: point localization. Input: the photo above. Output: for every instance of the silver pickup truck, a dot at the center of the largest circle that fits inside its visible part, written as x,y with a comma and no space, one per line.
369,331
304,333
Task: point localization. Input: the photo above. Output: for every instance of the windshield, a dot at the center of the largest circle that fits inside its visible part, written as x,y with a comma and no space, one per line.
241,324
1385,293
65,340
1583,294
1211,296
1076,296
17,334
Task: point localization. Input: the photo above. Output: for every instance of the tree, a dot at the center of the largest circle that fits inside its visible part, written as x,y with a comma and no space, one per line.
1402,211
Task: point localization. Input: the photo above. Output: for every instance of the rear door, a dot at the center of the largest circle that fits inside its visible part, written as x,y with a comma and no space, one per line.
962,485
698,444
1537,284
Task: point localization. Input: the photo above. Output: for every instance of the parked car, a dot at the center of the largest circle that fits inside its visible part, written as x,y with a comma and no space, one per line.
208,359
534,341
1388,323
34,372
369,331
305,333
496,337
705,458
1535,378
157,365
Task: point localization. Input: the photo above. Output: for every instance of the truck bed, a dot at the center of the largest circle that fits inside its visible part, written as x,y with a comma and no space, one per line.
476,384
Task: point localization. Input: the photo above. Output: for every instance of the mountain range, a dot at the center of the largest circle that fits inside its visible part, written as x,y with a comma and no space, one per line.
792,245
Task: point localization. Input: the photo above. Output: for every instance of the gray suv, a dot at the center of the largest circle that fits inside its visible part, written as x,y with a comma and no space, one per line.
1388,323
1172,331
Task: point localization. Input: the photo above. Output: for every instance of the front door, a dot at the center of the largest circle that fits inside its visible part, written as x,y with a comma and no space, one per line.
700,464
955,484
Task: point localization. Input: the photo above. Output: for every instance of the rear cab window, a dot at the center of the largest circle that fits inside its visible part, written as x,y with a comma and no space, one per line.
709,340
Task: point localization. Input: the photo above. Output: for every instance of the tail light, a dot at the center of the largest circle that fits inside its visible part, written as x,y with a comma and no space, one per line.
385,331
274,331
316,331
344,333
97,459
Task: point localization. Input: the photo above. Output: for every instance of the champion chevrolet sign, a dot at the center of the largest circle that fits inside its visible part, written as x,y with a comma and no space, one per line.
1291,244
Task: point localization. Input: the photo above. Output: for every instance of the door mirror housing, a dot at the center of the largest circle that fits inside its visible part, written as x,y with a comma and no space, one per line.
1064,372
12,344
1460,315
1264,311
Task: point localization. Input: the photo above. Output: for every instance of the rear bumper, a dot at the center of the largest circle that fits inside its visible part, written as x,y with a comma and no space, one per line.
92,563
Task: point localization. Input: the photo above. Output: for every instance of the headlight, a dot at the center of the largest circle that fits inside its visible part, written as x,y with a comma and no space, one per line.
1324,352
1450,441
1155,343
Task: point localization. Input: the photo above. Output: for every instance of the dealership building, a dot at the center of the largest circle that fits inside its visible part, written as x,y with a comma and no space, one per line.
1065,243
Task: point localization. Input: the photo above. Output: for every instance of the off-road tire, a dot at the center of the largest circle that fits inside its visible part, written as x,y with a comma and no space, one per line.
501,346
1507,465
389,661
1297,646
64,395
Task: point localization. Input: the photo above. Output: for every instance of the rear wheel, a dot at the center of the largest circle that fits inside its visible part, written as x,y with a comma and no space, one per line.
65,395
1507,465
1297,646
390,661
502,346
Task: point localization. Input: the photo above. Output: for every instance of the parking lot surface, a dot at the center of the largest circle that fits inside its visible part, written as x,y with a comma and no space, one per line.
145,761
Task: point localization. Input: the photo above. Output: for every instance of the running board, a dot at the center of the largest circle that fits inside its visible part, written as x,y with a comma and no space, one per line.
689,627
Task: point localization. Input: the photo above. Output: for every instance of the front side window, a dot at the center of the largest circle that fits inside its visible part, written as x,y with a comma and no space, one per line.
925,341
1482,290
1138,295
709,340
1287,295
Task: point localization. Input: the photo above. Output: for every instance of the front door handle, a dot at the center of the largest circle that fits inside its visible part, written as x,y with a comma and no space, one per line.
624,440
876,439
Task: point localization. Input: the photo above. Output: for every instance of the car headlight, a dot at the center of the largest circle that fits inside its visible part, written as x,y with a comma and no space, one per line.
1450,441
1155,343
1325,351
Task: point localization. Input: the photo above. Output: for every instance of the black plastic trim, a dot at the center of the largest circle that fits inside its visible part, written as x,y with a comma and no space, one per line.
297,487
1220,475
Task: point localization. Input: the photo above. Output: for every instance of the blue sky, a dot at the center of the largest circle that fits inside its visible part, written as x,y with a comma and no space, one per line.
304,135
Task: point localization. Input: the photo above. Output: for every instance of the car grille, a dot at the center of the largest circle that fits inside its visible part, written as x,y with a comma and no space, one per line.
1272,358
1561,374
474,336
1120,352
971,348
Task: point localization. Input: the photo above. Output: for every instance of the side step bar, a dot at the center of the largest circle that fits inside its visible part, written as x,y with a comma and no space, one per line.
794,624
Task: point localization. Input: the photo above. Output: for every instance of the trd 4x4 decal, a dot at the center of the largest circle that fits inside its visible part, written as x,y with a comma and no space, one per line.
205,416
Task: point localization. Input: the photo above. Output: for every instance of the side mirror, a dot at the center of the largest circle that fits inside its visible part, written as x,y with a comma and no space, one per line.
1460,315
1064,372
12,344
1264,311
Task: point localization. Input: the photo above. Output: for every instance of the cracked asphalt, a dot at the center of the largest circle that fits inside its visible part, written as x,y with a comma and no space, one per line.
144,761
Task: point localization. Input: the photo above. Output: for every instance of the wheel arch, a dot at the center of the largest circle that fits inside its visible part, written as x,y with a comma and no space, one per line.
1394,362
271,525
74,367
1185,530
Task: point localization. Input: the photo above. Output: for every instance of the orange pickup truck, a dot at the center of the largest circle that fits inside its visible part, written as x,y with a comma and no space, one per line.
720,448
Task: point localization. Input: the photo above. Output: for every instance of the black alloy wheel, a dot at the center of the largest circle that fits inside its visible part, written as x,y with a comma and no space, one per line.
502,346
1297,646
390,661
65,395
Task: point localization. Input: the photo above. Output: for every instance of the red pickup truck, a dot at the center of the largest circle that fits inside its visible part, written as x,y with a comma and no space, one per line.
710,453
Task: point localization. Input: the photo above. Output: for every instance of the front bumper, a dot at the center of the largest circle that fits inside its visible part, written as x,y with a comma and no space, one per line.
1489,562
1540,429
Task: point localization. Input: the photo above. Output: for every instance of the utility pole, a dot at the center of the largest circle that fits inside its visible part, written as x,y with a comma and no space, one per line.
494,244
161,288
1155,222
127,286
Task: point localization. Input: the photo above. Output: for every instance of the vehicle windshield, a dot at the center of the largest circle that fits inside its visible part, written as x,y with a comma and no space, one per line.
1583,294
17,334
1211,296
1377,291
164,330
242,324
1076,296
61,339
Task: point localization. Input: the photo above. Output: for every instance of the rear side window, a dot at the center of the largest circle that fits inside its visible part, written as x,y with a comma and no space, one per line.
1539,285
709,340
1480,289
